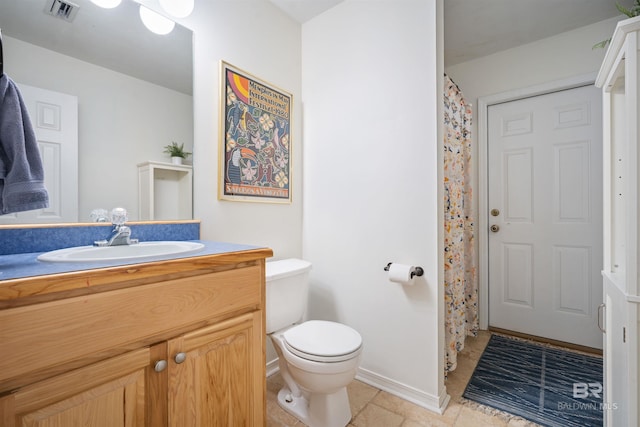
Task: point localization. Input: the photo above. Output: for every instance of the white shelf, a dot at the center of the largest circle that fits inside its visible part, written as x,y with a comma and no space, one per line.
619,79
165,191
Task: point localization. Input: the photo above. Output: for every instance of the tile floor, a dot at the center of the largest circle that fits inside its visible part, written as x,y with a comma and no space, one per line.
372,407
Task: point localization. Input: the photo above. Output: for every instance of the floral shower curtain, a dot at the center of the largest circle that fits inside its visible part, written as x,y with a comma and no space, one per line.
460,279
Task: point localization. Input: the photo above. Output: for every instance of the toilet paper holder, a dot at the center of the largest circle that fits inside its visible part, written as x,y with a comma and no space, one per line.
417,271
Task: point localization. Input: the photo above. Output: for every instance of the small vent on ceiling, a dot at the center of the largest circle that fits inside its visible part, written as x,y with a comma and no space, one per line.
62,9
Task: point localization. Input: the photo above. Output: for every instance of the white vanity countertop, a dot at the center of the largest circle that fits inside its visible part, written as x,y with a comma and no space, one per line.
17,266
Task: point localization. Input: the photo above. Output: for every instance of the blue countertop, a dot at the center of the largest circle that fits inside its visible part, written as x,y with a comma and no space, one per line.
22,265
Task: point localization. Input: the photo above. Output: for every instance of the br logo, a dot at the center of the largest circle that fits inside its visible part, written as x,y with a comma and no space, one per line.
584,390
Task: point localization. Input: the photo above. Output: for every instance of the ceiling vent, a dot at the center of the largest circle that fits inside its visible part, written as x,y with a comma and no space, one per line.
62,9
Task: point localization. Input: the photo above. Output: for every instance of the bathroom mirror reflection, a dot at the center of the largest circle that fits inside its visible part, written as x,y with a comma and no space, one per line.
133,90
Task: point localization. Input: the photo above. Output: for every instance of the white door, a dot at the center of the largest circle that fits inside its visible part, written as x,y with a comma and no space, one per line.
545,197
54,117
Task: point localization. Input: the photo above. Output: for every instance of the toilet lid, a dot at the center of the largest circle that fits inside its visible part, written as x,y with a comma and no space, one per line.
321,340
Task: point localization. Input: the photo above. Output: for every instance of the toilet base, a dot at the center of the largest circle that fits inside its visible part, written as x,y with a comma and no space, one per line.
296,406
320,410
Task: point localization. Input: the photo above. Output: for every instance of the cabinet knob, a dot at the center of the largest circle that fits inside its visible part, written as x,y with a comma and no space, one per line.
160,365
180,357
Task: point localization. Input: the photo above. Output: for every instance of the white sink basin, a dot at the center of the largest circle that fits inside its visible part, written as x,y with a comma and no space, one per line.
121,253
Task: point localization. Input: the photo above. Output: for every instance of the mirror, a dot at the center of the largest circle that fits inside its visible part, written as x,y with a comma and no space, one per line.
133,89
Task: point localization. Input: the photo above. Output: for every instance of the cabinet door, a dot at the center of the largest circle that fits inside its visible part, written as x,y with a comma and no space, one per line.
110,393
217,375
616,407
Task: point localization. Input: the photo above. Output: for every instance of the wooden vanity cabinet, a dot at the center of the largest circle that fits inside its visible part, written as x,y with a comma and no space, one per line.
219,382
112,393
176,352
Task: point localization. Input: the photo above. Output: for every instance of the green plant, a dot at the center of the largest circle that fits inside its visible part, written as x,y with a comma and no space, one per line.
177,150
634,11
630,13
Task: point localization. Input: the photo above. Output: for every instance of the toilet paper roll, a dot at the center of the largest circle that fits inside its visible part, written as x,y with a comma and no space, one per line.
401,273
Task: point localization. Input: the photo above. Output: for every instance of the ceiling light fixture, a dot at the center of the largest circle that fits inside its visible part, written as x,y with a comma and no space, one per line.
107,4
177,8
156,22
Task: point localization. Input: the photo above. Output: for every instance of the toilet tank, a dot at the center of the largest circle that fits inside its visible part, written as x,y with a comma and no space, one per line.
287,291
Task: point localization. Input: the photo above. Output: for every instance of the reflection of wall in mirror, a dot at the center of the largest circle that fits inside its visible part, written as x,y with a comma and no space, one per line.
123,121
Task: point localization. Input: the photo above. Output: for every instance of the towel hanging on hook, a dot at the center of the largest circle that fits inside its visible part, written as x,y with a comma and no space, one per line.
1,56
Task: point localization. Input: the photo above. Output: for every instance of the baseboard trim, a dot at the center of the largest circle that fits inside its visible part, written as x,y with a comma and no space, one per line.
428,401
272,367
436,404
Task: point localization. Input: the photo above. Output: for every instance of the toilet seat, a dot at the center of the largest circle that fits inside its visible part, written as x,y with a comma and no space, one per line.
323,341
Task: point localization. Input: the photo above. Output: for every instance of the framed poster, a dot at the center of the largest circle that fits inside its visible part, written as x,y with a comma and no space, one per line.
255,141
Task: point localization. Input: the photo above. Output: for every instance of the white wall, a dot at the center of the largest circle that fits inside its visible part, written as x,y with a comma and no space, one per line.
257,37
555,58
372,92
123,121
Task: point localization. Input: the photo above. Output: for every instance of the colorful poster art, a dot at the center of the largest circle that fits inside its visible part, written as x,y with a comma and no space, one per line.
255,149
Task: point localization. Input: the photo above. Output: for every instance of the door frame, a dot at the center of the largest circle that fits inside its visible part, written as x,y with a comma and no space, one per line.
483,178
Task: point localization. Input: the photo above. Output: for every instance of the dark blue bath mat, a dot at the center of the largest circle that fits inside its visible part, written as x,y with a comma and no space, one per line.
548,386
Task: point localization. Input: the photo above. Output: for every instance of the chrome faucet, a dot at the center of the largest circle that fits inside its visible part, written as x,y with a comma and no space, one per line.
121,234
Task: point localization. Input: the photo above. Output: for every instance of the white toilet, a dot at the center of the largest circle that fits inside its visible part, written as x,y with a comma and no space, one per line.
317,358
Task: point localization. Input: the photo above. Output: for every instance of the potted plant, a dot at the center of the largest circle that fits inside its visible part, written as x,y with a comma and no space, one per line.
176,152
630,13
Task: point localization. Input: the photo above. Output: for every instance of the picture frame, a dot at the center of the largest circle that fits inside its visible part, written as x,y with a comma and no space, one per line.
255,139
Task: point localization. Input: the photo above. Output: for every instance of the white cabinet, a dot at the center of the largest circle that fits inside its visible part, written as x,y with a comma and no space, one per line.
165,191
619,79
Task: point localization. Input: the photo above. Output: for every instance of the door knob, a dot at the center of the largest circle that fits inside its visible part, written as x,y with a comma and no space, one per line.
160,366
495,228
180,357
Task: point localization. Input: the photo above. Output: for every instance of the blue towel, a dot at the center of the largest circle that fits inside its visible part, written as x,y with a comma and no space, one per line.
21,172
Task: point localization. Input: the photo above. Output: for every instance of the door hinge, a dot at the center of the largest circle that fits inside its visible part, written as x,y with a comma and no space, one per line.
624,334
